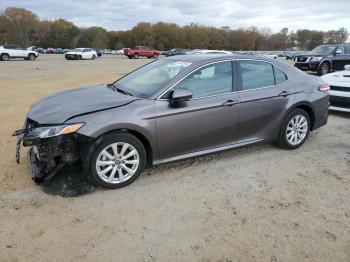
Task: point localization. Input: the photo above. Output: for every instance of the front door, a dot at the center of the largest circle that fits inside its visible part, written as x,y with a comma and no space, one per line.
206,121
341,59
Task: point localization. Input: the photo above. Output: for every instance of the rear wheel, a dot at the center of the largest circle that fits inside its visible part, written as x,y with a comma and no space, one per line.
295,129
117,160
79,57
155,56
93,57
136,56
324,69
5,57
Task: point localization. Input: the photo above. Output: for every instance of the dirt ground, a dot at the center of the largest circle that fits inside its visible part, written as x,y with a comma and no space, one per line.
260,203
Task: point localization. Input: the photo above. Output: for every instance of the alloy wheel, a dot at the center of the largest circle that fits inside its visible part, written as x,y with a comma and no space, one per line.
117,162
324,69
297,129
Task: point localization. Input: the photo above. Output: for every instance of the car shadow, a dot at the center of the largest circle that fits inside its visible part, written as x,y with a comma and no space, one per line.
340,114
69,182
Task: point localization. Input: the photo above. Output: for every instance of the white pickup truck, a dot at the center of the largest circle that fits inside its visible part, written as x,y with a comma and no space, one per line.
8,52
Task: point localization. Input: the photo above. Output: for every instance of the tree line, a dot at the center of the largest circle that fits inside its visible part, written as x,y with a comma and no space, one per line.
23,27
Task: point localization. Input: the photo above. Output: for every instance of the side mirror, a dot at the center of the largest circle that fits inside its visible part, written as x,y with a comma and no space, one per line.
338,52
347,67
181,94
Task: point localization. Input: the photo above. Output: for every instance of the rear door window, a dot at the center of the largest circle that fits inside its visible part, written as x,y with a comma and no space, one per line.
256,74
347,49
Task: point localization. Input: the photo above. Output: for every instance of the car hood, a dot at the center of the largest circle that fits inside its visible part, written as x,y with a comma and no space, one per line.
60,107
341,78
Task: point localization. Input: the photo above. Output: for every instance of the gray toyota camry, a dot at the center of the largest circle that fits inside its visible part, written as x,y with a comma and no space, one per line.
168,110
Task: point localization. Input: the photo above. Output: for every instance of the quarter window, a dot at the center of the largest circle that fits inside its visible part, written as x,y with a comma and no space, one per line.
280,77
210,80
256,74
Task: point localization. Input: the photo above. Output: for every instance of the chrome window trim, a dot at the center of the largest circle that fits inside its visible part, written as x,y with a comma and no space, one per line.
215,62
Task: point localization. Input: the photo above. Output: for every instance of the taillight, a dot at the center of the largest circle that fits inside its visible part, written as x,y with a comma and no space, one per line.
324,88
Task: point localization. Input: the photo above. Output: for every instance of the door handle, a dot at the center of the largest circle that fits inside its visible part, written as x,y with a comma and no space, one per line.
230,102
285,93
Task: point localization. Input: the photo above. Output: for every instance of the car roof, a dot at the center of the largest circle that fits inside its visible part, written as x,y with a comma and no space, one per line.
207,58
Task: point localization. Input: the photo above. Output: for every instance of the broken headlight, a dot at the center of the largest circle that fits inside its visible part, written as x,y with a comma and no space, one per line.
50,131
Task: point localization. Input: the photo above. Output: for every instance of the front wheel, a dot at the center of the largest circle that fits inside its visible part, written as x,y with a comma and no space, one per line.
31,57
324,69
295,129
93,57
136,56
117,160
155,56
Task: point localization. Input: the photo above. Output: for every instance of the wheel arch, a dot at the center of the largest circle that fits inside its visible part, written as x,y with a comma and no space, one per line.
328,61
4,53
307,107
143,139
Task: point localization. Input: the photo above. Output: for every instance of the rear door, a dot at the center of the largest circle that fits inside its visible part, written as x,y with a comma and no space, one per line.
12,51
265,95
206,121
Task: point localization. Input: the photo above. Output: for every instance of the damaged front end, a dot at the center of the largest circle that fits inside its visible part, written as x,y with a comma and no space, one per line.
52,147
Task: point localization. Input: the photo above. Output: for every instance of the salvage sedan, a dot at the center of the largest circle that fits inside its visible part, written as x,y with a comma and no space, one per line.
172,109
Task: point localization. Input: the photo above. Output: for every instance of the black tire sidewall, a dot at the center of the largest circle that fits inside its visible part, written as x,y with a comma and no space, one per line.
321,66
283,137
104,142
7,57
31,57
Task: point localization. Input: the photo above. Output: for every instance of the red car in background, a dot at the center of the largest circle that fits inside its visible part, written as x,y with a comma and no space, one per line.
139,51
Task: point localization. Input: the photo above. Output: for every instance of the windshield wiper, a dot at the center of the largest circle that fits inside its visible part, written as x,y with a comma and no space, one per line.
122,90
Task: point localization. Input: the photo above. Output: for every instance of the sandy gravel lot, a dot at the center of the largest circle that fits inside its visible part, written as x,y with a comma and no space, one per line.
260,203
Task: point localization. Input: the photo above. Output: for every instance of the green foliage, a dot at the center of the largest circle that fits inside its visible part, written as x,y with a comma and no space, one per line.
21,26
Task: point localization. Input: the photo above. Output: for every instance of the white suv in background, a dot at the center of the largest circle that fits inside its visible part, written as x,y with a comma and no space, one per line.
8,52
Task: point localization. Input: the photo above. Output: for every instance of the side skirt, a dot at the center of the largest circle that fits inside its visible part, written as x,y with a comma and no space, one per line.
207,151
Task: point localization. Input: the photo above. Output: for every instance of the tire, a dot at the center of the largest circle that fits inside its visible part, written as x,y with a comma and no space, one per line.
155,56
93,57
130,56
79,57
324,68
5,57
136,56
31,57
129,171
287,130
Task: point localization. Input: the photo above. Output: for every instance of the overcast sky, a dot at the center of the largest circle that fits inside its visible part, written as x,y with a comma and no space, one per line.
121,15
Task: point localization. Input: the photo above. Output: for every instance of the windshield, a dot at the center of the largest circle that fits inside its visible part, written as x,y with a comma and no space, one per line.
150,78
78,50
324,49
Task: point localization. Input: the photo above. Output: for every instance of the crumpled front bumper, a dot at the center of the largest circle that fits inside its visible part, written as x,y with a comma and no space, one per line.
46,157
